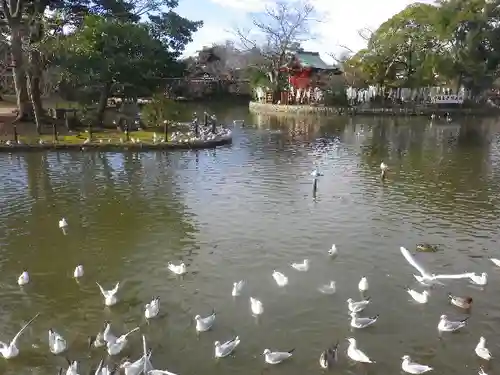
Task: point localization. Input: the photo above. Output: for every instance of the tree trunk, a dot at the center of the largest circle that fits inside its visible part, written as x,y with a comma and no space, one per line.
23,103
33,79
103,101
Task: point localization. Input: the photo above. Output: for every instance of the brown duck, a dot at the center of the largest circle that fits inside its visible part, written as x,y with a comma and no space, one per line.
462,302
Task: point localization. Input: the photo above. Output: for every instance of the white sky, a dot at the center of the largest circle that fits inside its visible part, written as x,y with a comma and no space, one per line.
341,20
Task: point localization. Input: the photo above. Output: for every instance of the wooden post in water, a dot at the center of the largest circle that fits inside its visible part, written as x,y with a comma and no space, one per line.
165,130
54,132
127,133
16,136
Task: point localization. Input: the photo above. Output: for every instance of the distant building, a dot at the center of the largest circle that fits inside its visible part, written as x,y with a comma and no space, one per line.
307,74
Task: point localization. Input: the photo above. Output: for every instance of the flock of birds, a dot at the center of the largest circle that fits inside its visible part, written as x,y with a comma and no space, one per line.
114,345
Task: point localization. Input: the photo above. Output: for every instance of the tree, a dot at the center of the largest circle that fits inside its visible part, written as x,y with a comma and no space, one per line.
279,32
104,52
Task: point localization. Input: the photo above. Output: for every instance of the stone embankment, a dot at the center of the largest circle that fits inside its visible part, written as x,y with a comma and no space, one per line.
280,109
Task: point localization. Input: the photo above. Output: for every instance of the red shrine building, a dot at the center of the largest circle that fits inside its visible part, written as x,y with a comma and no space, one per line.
306,74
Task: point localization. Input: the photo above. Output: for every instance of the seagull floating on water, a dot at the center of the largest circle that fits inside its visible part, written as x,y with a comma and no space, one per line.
359,306
110,297
412,367
177,269
481,349
152,309
78,272
280,278
363,284
256,306
481,372
73,368
274,358
355,354
417,296
204,324
333,251
462,302
446,325
57,344
224,349
383,169
328,288
304,266
63,223
10,350
480,280
357,322
329,356
23,279
237,287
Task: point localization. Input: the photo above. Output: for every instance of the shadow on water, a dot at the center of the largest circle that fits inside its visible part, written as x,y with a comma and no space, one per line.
237,213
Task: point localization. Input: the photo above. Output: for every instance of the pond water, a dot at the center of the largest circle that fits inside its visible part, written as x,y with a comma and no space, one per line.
239,212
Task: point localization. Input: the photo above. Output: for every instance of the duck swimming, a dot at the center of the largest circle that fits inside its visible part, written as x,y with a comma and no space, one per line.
426,248
462,302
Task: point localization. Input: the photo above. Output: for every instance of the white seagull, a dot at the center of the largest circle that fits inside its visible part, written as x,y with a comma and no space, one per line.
102,369
224,349
23,279
412,367
481,349
481,279
152,309
355,354
116,346
237,287
274,358
328,288
481,372
417,296
177,269
78,272
426,278
57,344
446,325
495,261
73,368
110,298
304,266
333,251
357,322
280,278
316,173
204,324
10,350
363,284
357,306
63,223
256,306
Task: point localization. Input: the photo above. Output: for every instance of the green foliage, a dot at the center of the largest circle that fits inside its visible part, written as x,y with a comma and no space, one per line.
106,51
455,42
161,109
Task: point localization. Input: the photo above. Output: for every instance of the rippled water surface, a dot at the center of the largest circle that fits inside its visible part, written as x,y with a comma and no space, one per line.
239,212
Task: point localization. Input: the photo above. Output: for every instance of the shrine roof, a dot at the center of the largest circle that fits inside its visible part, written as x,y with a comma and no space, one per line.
312,60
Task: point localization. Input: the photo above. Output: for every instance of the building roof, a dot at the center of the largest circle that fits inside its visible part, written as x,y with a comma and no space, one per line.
312,60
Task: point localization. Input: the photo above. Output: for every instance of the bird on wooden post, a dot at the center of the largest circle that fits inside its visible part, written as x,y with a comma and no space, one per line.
165,130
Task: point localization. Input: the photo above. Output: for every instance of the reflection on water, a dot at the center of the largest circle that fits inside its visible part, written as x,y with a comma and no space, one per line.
238,213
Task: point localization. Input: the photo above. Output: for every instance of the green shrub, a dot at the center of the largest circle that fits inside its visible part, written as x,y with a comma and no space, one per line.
160,109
